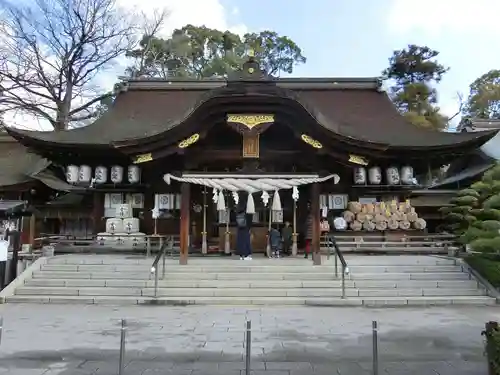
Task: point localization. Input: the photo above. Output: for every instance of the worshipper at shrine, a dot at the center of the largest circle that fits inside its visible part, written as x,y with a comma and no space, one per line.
275,241
286,235
243,242
308,234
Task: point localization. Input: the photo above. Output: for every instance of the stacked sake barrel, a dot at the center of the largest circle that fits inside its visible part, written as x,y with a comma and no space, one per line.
382,216
122,231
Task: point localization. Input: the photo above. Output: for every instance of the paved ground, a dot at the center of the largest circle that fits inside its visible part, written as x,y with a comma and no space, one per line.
84,340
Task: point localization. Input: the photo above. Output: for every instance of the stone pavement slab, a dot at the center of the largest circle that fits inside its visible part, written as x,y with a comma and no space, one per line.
195,340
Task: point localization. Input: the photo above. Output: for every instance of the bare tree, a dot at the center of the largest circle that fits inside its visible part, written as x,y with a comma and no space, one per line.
53,51
146,49
461,103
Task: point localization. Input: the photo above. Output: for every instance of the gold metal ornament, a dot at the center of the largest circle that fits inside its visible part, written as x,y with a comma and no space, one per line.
310,141
358,160
251,121
143,158
189,141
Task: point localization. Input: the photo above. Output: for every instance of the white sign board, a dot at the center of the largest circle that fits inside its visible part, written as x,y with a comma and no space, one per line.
4,250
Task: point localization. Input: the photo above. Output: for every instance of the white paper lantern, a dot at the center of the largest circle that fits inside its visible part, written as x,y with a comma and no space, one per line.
72,174
392,175
116,174
101,175
359,176
134,174
407,175
84,173
375,175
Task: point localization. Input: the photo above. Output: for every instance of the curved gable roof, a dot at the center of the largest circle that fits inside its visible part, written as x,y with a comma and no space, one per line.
355,109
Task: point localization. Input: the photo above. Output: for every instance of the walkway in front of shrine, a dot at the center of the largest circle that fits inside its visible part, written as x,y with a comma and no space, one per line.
194,340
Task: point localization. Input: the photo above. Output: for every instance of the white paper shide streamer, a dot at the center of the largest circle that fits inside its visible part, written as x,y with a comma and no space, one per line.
221,202
236,197
295,193
276,202
215,196
250,204
265,198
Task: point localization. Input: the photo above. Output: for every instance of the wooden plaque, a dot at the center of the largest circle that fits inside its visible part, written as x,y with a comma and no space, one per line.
251,145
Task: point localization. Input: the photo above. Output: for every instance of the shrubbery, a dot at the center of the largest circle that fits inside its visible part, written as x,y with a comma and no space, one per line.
487,265
492,334
474,214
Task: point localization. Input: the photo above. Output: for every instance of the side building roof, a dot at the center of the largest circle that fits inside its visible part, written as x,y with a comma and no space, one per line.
18,165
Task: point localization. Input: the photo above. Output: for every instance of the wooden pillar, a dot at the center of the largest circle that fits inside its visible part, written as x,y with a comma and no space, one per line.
32,230
185,208
315,242
98,212
149,204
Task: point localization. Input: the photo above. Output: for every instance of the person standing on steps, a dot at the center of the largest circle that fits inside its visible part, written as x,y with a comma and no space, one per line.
309,234
287,235
275,241
243,243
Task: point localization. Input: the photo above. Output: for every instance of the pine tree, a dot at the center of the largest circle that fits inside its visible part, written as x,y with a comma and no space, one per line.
483,233
459,215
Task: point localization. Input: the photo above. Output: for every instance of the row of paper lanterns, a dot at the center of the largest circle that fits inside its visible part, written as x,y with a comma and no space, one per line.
83,174
393,176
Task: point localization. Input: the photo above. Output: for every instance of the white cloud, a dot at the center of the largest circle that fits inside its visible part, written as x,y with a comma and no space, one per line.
210,13
436,16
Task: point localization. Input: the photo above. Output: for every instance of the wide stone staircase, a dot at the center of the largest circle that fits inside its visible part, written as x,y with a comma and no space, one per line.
372,281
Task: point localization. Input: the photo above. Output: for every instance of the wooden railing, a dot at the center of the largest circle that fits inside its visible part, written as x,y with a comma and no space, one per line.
428,243
71,243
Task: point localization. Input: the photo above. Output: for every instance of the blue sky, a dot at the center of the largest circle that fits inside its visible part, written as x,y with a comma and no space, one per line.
347,38
353,38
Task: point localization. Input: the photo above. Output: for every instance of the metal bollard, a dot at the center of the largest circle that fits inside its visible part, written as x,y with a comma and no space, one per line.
122,347
248,345
375,347
1,329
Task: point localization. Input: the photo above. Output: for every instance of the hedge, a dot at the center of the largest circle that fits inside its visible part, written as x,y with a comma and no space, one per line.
492,334
487,265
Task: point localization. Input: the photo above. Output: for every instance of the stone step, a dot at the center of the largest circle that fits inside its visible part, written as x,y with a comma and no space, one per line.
245,301
411,276
186,276
187,269
169,283
244,292
356,260
246,269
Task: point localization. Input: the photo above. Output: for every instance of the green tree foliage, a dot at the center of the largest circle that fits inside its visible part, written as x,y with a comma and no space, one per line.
201,52
475,213
458,216
413,72
484,97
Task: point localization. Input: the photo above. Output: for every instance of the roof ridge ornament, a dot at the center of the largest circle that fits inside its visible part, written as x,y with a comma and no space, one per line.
251,70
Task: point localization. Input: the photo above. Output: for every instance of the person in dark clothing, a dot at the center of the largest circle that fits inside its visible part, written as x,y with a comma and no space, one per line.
275,242
243,243
286,235
308,234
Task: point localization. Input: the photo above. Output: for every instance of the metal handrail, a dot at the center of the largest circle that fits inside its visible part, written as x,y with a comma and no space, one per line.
168,244
338,256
